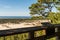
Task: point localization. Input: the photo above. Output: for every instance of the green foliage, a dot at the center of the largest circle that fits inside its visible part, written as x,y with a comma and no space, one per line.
58,8
54,17
53,38
40,1
39,8
23,36
36,9
37,17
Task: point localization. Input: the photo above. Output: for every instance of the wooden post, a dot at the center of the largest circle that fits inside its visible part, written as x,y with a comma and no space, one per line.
31,35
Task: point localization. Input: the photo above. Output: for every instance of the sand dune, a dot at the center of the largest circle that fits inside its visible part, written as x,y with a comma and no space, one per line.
6,26
20,24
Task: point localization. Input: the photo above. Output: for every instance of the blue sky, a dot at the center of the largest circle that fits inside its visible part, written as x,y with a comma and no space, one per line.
15,7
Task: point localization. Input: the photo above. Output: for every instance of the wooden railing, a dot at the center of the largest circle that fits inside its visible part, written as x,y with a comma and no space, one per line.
33,33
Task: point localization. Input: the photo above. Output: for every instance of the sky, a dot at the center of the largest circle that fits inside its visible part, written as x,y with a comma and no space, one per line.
15,7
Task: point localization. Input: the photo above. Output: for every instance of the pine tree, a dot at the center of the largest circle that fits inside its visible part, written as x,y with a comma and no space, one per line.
42,7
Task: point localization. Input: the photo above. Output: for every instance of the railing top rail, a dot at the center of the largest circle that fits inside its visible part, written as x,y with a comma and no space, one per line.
19,30
23,30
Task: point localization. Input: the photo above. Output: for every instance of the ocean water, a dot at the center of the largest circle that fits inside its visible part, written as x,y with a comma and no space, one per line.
15,17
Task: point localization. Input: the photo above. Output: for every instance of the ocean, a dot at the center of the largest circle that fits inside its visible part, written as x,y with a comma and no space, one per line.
15,17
